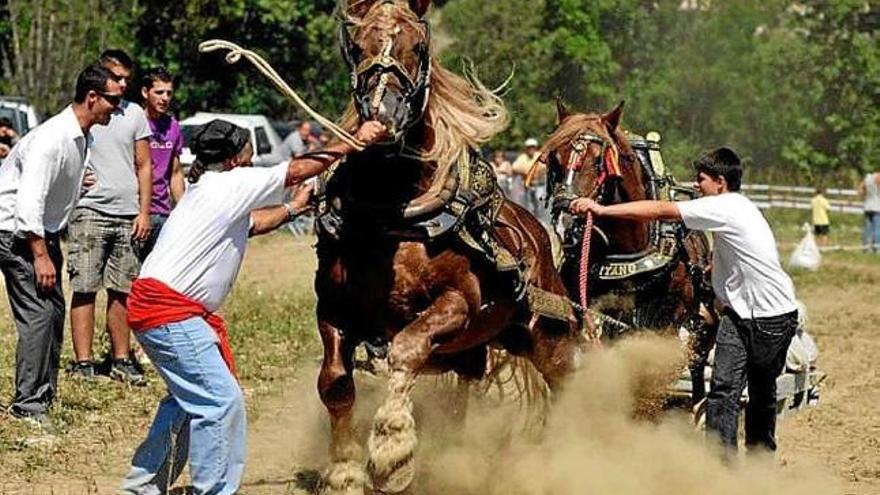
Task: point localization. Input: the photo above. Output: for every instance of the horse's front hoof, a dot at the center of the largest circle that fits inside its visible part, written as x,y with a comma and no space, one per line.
394,480
344,478
391,445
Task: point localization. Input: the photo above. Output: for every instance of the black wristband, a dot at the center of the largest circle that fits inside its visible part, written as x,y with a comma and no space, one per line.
291,213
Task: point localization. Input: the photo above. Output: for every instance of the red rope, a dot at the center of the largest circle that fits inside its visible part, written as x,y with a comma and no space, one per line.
592,332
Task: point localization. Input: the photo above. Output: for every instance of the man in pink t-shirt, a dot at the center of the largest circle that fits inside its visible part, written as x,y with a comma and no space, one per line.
165,146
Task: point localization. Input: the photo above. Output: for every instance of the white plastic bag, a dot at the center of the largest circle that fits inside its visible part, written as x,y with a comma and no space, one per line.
806,254
803,352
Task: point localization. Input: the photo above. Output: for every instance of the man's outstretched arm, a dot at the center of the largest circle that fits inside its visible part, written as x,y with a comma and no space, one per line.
310,165
635,210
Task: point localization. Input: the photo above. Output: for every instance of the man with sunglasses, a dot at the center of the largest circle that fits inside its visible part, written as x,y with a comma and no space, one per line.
39,185
760,310
111,215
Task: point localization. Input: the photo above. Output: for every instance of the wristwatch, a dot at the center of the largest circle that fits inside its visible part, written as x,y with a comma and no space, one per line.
291,213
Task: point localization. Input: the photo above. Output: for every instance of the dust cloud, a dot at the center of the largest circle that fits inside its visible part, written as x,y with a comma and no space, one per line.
606,434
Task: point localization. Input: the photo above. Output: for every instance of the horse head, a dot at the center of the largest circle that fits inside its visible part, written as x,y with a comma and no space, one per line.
588,155
438,119
386,44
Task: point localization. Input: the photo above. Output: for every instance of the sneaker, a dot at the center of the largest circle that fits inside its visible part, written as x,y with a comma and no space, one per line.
83,370
127,371
39,420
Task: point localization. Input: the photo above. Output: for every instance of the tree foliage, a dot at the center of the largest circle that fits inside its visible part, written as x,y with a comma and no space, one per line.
44,42
794,86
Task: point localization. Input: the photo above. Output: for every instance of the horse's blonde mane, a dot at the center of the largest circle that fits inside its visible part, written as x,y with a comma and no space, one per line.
461,114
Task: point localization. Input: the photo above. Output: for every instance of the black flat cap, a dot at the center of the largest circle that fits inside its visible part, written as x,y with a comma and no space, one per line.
218,140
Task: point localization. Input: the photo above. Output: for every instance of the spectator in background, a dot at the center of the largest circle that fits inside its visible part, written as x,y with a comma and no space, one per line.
870,190
166,143
8,137
39,186
536,190
109,216
821,219
503,169
298,142
506,179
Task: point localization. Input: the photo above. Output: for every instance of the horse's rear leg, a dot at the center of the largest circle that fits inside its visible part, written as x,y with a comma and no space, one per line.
336,388
393,437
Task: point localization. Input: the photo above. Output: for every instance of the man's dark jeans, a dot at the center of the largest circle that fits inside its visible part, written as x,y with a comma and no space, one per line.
750,351
143,249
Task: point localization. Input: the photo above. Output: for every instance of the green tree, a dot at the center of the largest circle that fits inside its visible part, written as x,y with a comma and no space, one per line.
837,64
45,43
554,48
297,37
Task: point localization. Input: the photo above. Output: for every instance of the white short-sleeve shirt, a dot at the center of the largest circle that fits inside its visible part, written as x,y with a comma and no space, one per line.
746,273
200,248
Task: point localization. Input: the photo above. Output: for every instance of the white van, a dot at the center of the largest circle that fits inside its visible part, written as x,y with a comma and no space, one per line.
21,113
266,143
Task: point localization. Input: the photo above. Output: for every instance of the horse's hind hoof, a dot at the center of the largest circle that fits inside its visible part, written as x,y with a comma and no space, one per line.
343,478
396,480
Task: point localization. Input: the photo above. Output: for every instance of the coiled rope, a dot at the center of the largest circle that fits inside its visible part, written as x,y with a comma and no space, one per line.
235,54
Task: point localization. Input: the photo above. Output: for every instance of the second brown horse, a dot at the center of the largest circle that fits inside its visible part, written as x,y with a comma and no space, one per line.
643,274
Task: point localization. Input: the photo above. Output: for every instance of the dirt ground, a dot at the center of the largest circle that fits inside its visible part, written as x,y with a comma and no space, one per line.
842,434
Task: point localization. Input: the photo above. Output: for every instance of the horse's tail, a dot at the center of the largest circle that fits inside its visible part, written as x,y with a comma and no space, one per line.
514,379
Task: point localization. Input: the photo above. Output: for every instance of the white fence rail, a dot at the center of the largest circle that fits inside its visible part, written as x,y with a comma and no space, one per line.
798,197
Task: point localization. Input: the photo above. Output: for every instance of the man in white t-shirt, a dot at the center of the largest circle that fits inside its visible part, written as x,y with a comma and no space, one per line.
183,282
760,312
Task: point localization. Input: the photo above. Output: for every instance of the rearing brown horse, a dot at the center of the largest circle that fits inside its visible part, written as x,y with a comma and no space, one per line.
644,274
417,248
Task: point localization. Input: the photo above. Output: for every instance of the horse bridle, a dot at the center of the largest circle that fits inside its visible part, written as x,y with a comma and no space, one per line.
576,162
415,92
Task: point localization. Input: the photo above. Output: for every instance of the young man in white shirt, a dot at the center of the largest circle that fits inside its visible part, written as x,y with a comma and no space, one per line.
760,311
183,283
40,183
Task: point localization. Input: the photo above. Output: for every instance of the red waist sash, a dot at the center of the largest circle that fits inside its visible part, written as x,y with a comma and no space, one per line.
151,304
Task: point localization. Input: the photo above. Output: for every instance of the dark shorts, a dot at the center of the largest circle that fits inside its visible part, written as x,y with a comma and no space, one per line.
821,229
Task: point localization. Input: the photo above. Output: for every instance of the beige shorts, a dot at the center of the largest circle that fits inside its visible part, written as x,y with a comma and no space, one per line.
100,254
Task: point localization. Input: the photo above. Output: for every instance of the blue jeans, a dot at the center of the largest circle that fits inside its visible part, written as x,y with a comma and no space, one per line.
871,232
202,417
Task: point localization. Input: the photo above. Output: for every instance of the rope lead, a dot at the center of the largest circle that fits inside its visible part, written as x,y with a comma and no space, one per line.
235,54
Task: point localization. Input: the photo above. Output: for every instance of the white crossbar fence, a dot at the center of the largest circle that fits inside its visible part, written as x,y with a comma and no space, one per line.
798,197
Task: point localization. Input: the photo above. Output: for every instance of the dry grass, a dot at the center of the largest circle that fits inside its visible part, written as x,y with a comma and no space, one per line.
271,325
